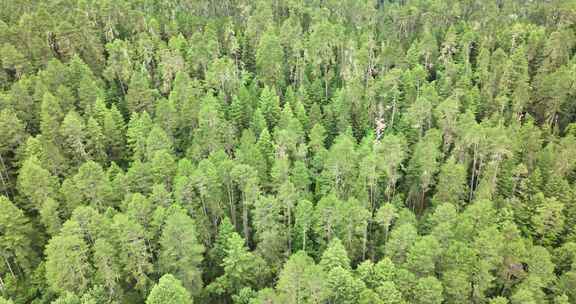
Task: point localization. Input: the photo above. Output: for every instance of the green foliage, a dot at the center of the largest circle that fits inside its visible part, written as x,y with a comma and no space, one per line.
256,152
67,264
170,291
16,235
334,256
301,280
180,252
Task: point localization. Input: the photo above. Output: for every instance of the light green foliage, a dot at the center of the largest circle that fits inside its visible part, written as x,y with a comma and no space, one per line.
67,264
107,267
5,301
269,105
428,291
270,58
266,152
401,240
140,97
133,252
423,166
36,183
335,256
451,187
12,131
181,254
423,256
301,280
343,287
549,221
73,132
389,293
15,239
241,268
168,291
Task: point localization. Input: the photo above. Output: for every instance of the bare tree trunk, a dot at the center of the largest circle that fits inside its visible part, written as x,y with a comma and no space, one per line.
393,112
231,203
289,230
9,266
365,242
4,181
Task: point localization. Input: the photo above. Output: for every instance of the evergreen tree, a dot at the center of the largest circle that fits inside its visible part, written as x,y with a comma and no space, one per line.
16,245
133,253
67,264
180,252
301,280
140,97
270,58
170,291
269,105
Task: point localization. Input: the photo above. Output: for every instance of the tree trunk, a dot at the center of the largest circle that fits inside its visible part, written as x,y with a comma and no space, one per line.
232,205
289,230
304,238
245,222
9,267
365,242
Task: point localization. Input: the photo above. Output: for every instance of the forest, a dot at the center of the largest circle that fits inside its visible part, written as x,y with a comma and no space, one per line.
287,151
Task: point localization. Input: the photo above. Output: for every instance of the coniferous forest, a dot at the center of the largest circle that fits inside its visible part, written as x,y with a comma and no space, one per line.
287,151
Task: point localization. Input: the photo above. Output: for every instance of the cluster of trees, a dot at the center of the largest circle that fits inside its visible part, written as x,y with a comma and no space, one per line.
287,151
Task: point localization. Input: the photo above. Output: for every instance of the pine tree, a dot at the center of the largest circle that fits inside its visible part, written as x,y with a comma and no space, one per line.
93,186
423,256
133,253
301,280
73,132
51,116
95,141
108,271
451,186
180,252
67,264
114,130
549,221
428,291
241,268
140,97
16,245
270,58
423,166
401,240
334,256
139,126
269,105
158,140
303,217
169,290
218,251
36,183
50,216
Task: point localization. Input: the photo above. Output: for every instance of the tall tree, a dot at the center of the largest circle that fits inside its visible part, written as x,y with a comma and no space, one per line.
67,263
180,252
16,236
170,291
270,58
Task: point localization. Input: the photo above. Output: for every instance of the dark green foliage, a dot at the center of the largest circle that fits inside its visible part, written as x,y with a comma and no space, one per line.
255,152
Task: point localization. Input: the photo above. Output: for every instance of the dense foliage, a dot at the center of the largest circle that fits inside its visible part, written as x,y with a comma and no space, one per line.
287,151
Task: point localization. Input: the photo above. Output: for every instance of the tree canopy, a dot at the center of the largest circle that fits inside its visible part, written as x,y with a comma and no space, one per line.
287,151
